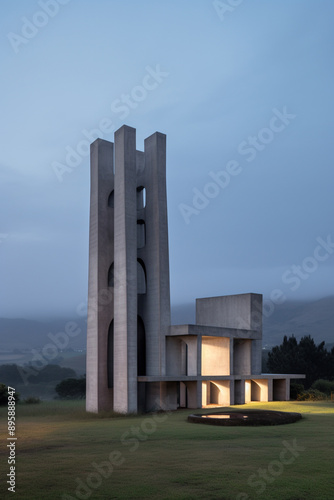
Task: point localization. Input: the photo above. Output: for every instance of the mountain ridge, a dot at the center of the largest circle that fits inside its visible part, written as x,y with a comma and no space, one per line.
298,318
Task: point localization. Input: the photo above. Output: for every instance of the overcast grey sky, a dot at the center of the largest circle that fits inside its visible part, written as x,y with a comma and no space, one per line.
244,92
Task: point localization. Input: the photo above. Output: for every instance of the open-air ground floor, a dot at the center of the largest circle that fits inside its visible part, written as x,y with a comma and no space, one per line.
199,392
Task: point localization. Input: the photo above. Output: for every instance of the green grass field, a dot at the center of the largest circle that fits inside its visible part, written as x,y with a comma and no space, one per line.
64,453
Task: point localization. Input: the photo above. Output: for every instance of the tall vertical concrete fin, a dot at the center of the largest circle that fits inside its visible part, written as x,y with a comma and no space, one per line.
125,270
256,324
154,305
100,296
156,254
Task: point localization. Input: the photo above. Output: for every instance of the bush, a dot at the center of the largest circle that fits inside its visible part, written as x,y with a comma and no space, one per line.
326,386
4,395
32,401
72,388
295,389
311,395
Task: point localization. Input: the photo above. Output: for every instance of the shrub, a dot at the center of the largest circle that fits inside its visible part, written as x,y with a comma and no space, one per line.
295,389
32,401
72,388
311,395
4,395
326,386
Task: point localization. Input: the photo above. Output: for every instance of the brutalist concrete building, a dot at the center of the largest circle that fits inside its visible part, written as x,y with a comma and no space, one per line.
137,360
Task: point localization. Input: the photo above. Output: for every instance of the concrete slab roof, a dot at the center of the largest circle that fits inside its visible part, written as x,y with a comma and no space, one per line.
213,331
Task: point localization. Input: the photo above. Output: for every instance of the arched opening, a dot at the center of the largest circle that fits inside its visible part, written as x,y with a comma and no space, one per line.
141,233
141,347
141,277
141,197
111,199
111,279
110,355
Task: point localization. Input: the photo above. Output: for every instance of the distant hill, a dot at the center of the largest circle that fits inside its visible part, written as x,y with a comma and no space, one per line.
22,334
315,318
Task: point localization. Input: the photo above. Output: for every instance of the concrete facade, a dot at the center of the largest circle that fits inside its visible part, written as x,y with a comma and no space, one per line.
137,360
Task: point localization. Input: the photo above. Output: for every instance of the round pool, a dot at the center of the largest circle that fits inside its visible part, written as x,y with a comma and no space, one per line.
247,417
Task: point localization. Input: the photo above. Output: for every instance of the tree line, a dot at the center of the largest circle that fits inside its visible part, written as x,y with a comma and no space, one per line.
13,374
304,357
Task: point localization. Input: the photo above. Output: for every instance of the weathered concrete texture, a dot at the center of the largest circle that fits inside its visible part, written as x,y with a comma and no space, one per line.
125,245
101,255
242,349
129,301
154,305
243,311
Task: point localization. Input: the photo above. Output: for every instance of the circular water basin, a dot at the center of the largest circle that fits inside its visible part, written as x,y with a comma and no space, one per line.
247,417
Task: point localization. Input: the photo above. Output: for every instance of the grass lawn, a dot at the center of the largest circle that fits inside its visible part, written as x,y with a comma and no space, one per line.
64,453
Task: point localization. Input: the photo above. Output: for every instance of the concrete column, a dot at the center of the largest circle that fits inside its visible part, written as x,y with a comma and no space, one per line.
239,392
287,389
154,307
270,389
256,357
194,392
232,372
199,355
198,394
192,361
232,389
248,391
125,314
100,296
205,393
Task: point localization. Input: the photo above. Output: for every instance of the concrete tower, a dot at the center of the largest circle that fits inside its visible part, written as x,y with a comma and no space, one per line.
128,294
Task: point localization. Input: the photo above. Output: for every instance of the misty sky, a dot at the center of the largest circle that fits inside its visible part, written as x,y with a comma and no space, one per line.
244,92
